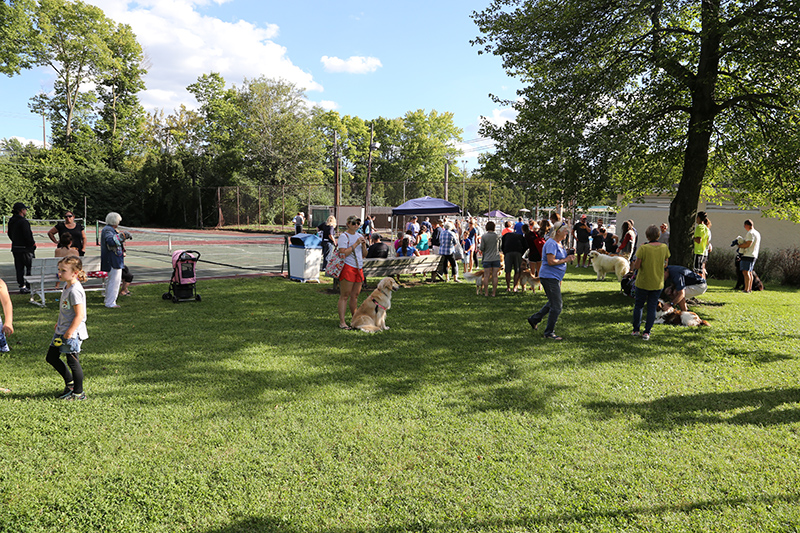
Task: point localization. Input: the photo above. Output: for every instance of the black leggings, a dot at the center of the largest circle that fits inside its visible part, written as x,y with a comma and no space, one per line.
54,358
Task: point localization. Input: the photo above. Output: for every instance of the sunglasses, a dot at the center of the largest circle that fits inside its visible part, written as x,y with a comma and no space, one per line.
69,216
355,222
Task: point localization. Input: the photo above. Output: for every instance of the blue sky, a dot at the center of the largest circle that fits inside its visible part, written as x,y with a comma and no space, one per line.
366,59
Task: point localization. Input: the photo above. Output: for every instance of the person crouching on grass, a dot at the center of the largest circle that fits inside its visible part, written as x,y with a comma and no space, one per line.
70,329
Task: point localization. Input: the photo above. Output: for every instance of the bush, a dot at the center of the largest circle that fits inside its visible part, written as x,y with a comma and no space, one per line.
721,264
781,266
787,263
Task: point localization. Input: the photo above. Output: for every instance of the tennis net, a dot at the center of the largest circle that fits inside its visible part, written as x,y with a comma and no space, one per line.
230,250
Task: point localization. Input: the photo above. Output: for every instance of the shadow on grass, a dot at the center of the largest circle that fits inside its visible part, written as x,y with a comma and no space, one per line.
761,407
615,518
266,342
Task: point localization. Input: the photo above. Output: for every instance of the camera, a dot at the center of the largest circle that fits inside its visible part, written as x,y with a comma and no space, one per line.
570,251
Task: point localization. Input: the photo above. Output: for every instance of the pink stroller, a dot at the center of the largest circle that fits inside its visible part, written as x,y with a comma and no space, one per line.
184,277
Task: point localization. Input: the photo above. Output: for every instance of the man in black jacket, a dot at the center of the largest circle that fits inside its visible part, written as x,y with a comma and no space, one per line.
22,245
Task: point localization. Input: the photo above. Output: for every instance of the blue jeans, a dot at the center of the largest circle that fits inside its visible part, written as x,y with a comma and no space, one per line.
552,288
327,249
642,297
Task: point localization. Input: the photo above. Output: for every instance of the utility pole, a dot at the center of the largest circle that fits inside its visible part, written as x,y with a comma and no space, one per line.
446,177
337,198
369,170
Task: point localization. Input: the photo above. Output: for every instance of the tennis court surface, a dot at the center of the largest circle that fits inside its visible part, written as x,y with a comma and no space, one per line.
149,253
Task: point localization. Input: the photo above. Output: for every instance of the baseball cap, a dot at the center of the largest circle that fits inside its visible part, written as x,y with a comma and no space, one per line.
19,206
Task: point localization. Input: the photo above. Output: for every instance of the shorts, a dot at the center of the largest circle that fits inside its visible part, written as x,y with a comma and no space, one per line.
3,344
534,255
699,262
71,345
582,248
747,263
513,261
690,291
352,274
491,264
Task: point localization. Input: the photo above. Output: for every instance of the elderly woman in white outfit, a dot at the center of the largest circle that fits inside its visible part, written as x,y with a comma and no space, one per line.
112,258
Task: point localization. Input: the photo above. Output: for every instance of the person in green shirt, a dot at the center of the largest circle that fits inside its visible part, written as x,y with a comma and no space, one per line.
651,258
702,238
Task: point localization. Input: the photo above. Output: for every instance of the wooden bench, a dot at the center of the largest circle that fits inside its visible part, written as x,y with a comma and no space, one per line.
396,266
44,277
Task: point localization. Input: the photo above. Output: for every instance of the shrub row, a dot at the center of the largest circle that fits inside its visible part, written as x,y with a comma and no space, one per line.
776,266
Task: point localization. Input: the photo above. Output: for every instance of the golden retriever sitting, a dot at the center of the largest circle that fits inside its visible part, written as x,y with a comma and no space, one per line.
371,314
609,263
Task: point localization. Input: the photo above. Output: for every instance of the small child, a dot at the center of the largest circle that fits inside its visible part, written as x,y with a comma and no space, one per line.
70,329
467,244
6,328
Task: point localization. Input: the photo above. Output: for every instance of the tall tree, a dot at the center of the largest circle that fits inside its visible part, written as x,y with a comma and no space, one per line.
17,37
121,115
682,97
74,41
281,143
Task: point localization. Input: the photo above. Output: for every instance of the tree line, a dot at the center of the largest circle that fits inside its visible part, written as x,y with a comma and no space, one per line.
105,148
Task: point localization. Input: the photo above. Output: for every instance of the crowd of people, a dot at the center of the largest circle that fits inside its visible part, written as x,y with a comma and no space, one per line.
540,246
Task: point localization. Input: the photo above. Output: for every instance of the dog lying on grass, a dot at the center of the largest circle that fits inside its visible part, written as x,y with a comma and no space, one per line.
675,317
371,314
603,264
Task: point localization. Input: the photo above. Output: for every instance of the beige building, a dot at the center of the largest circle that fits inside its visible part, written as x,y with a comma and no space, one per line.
726,222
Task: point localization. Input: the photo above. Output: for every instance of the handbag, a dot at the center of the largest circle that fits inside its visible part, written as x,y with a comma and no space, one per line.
458,252
336,263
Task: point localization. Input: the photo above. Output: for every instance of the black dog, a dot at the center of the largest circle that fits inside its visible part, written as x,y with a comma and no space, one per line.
757,285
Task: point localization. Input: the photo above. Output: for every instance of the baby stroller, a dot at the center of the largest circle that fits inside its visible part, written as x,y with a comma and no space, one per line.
184,277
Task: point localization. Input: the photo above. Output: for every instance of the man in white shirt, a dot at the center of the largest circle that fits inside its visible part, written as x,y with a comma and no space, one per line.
750,246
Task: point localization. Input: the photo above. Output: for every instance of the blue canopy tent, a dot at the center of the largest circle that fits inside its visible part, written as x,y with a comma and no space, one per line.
426,206
497,214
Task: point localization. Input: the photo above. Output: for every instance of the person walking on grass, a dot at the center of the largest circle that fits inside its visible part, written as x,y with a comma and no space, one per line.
70,329
554,266
7,327
651,259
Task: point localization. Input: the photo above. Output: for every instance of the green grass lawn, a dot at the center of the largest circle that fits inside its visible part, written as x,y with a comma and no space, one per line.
252,411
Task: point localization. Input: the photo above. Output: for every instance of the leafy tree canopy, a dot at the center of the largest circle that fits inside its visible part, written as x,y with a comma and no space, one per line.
685,97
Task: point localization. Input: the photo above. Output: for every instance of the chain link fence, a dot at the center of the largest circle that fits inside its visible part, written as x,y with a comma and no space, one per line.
276,205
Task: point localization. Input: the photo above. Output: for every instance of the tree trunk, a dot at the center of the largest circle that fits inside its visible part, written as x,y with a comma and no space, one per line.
683,208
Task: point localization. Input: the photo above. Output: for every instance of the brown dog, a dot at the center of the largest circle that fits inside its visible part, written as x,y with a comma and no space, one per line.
371,314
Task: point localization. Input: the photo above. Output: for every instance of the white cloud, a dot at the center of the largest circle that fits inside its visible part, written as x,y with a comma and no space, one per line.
24,141
352,65
328,105
500,117
181,44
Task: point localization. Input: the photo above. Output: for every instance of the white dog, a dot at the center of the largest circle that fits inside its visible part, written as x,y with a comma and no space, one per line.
608,263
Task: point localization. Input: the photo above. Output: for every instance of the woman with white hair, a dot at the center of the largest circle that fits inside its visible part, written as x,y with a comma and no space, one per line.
447,245
112,256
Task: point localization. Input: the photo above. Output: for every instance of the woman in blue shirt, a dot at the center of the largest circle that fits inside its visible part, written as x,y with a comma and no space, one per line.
405,249
554,266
